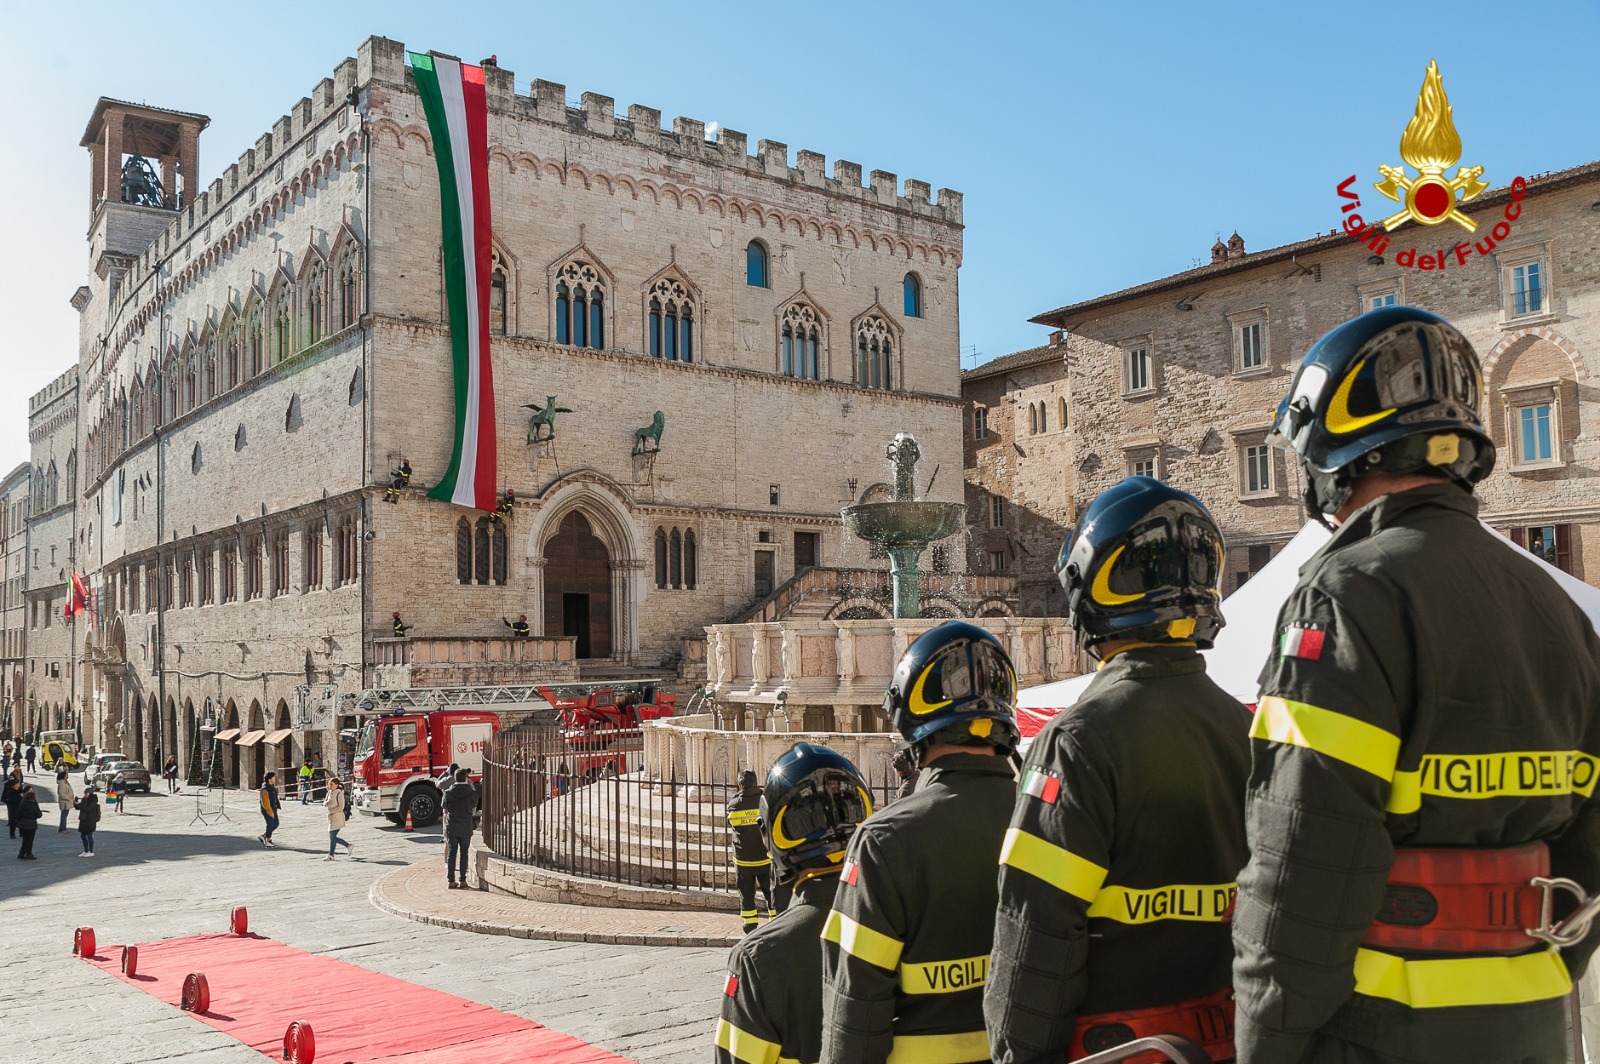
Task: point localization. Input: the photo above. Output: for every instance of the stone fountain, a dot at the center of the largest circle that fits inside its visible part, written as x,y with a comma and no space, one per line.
905,526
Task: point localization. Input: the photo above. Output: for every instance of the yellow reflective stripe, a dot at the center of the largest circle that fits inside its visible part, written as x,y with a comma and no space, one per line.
1060,868
753,864
1177,901
944,977
1366,746
743,1045
1458,981
861,941
743,818
968,1048
1405,792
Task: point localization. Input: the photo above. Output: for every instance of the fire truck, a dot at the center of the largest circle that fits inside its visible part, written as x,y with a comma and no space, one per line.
412,736
600,723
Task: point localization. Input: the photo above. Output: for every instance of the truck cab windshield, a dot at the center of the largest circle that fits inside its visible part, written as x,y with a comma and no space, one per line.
368,738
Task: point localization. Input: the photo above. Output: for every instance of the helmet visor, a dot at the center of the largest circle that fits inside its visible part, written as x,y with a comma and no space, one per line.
821,803
960,673
1403,369
1151,561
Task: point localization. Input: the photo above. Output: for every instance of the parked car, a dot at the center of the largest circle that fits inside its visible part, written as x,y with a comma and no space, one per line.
135,776
95,764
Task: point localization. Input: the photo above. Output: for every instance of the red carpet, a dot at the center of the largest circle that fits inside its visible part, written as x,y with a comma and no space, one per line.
259,987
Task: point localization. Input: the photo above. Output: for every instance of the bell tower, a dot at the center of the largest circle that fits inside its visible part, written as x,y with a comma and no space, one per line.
143,156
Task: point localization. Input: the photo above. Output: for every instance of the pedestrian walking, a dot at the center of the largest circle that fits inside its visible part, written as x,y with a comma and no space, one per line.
271,807
752,863
11,794
28,814
307,775
335,806
169,772
1427,691
119,789
65,799
33,756
88,820
460,806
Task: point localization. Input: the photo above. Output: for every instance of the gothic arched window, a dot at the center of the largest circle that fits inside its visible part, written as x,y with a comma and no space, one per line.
349,303
675,557
498,276
874,354
191,383
691,567
800,346
497,552
480,551
580,306
255,343
670,328
315,283
281,342
136,404
208,373
661,558
463,552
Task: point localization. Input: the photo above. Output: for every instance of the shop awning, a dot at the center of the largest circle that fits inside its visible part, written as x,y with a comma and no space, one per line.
250,738
275,737
224,736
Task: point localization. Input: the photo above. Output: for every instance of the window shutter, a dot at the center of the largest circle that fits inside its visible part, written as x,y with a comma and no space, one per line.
1564,548
1519,536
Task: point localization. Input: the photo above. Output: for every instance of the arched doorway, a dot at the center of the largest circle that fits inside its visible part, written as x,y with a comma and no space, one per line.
189,767
231,724
157,751
282,752
577,587
169,735
133,736
255,733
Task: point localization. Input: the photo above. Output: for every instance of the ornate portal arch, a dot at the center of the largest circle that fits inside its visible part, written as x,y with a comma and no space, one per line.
606,515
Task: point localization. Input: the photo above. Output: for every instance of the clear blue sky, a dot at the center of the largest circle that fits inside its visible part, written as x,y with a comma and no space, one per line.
1098,145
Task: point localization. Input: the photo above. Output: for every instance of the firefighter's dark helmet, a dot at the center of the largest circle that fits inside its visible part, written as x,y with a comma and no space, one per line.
810,806
955,679
1397,390
1144,563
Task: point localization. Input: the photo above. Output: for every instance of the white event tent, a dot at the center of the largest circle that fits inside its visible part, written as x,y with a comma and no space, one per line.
1252,614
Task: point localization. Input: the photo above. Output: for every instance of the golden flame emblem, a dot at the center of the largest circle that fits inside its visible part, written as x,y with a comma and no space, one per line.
1431,145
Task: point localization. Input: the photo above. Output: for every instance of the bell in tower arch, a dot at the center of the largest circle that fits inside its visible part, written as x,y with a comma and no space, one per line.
141,185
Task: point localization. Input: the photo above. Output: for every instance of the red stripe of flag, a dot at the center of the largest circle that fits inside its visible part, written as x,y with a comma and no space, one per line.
485,476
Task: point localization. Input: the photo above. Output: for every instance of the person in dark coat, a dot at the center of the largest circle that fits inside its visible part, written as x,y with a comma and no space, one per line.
27,820
11,794
88,819
460,806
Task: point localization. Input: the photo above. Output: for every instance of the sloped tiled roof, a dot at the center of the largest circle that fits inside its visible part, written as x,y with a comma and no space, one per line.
1033,356
1058,318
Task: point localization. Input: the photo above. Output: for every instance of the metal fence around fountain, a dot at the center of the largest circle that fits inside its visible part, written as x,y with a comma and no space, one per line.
581,805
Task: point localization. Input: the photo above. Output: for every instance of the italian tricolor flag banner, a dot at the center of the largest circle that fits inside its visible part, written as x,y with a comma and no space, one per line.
458,120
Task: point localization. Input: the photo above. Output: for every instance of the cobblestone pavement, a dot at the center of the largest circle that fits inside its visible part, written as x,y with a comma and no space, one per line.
418,892
155,875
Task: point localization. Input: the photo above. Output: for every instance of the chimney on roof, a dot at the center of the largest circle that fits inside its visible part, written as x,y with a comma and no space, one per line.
1056,336
1236,246
1219,251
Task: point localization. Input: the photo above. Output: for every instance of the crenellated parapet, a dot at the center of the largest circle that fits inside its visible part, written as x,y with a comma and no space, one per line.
384,61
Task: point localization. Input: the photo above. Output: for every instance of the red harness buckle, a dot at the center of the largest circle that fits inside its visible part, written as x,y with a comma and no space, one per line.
1461,900
1206,1020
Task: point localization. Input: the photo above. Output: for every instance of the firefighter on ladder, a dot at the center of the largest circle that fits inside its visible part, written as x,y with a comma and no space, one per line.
906,948
1426,739
750,857
1117,875
400,478
772,1001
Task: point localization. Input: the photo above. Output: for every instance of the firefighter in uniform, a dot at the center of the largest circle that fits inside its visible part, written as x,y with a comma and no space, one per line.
1117,875
1426,740
772,1004
750,856
519,627
906,948
400,627
399,479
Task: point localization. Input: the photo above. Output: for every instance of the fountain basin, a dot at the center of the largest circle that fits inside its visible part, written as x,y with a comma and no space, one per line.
903,525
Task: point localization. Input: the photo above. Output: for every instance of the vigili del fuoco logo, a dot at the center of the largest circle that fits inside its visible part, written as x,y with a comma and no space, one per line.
1430,146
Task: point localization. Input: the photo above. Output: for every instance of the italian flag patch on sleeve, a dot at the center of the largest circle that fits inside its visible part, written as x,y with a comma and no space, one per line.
1303,641
1041,785
731,987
